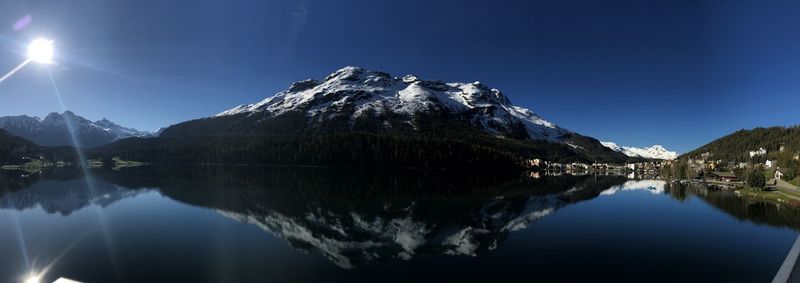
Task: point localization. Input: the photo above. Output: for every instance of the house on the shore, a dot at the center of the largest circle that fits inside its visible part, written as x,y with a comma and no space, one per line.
778,174
536,162
722,176
769,163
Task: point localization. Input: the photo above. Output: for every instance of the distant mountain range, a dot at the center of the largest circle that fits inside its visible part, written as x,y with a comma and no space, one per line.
653,152
311,208
353,116
54,130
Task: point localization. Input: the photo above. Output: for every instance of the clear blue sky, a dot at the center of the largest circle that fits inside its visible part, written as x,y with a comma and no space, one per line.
677,73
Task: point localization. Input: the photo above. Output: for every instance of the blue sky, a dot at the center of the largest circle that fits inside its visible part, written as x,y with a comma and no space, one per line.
677,73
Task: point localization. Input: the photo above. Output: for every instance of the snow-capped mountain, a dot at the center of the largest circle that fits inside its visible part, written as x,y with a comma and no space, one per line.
54,130
120,131
654,152
352,97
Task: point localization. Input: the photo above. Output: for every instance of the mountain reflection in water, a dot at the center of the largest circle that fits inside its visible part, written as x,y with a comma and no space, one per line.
351,219
355,217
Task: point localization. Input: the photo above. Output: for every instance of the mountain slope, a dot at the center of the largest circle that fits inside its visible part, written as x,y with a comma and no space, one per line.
736,146
118,131
13,148
353,100
54,130
352,97
653,152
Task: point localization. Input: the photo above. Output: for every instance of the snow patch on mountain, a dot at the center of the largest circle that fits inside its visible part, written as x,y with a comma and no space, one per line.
613,146
120,131
654,152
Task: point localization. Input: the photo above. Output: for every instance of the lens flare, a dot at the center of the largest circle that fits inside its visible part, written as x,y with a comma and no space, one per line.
41,51
33,278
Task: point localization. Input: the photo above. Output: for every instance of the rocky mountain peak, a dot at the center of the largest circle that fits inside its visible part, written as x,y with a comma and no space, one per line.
352,92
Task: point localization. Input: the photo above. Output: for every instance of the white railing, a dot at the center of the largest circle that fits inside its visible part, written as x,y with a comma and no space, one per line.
790,270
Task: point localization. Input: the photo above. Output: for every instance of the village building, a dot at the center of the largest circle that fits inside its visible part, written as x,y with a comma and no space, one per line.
778,174
534,162
769,163
577,166
722,176
761,151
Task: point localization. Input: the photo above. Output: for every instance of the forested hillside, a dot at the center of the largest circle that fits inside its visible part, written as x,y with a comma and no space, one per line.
732,153
373,118
736,147
17,151
346,149
13,148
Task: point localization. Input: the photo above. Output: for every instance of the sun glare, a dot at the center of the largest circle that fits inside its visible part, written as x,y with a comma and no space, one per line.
41,51
32,279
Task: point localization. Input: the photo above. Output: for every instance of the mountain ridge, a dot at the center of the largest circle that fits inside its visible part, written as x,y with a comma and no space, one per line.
651,152
352,95
54,130
354,100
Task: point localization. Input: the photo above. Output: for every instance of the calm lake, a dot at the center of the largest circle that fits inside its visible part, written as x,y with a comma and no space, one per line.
267,224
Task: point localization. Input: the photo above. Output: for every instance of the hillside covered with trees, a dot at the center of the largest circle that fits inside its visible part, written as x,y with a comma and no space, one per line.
13,148
453,150
736,146
740,153
17,151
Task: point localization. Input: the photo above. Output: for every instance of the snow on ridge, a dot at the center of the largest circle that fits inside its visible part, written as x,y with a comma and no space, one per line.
32,124
611,145
653,152
379,92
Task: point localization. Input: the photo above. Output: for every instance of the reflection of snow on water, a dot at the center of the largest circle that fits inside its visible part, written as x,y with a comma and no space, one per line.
350,239
654,186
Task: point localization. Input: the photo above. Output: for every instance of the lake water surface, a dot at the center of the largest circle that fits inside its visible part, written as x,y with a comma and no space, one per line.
267,224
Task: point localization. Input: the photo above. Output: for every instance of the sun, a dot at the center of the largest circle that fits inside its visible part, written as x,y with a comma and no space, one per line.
41,51
32,279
